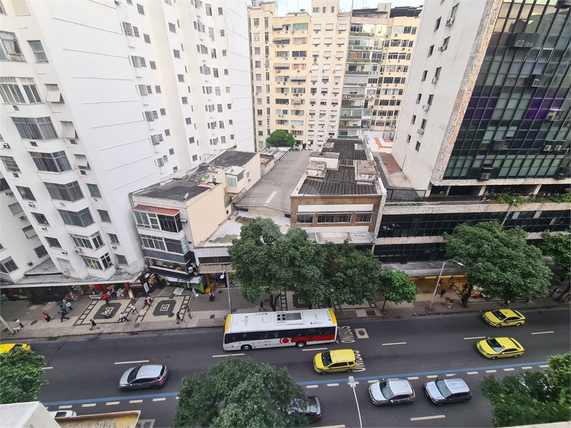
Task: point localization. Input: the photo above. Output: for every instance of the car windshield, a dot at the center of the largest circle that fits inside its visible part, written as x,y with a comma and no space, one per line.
133,375
499,315
311,405
386,390
444,391
495,345
326,358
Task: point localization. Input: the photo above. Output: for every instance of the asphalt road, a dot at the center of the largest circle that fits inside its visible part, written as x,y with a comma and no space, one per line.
83,374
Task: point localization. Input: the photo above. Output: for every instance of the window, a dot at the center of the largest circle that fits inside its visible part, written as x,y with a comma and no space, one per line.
157,221
8,265
176,53
29,232
104,215
26,193
16,209
121,260
138,61
38,50
413,119
334,218
363,217
41,251
127,29
103,263
113,238
437,73
94,190
167,132
437,24
157,89
418,98
147,38
140,9
430,99
208,10
430,50
9,47
194,158
220,11
417,148
424,73
180,77
163,112
185,100
40,218
222,33
423,124
305,218
172,27
51,162
53,242
39,128
188,121
82,218
65,192
231,181
10,163
152,65
91,242
445,44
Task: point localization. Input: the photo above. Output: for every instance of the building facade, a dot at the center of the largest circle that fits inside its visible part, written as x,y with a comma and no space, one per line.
103,98
484,128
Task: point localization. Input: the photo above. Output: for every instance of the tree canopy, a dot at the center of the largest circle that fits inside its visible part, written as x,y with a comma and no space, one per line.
280,138
266,261
558,247
531,397
20,373
499,261
239,392
397,287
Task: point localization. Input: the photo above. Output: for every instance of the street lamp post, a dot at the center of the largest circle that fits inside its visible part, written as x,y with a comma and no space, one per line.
353,385
440,276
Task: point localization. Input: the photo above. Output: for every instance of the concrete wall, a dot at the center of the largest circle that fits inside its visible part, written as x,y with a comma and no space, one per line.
206,212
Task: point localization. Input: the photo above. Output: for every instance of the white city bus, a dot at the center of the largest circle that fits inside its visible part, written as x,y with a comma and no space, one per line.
285,328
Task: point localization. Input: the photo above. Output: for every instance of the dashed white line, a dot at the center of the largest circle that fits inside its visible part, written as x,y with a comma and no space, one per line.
334,426
527,368
544,366
543,332
475,337
131,362
332,384
412,378
312,386
511,369
135,401
432,376
89,405
67,406
491,371
112,403
394,343
425,418
47,368
373,381
160,399
227,355
471,372
314,349
450,374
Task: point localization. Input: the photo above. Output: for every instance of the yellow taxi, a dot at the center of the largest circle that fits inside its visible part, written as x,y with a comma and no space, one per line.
499,347
7,347
338,360
504,318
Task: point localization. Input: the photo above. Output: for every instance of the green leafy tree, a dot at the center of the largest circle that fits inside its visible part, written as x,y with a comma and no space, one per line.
240,393
531,397
499,261
20,373
280,138
397,287
558,247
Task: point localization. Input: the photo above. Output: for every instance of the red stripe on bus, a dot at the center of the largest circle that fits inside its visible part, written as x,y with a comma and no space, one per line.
314,338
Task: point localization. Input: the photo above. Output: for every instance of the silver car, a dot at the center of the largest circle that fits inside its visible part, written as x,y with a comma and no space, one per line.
144,376
391,391
445,391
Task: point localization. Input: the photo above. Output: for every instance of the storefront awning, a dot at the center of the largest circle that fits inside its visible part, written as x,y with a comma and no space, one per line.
61,281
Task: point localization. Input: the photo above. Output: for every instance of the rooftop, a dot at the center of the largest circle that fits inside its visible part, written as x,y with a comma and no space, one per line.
232,158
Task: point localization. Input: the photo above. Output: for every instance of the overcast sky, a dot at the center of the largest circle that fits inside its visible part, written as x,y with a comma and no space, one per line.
285,6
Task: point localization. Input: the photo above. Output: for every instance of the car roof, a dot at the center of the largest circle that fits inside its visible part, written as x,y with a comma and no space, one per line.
511,313
149,370
342,355
5,347
507,342
400,386
456,385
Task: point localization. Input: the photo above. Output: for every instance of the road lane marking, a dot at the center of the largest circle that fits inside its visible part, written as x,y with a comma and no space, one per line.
475,337
544,366
543,332
312,386
450,374
91,404
509,370
227,355
425,418
471,372
394,343
491,371
332,384
131,362
334,426
431,376
527,368
313,349
160,399
47,368
372,381
412,378
66,406
112,403
135,401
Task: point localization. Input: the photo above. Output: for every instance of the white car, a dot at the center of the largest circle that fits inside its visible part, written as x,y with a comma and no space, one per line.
63,414
391,391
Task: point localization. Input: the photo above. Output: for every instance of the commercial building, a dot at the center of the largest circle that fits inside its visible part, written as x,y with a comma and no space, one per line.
101,99
484,127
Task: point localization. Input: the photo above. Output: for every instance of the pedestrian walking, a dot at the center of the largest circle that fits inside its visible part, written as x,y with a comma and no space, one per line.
442,292
46,316
63,316
189,313
68,306
63,309
178,318
123,317
18,322
107,298
133,308
93,325
146,304
211,297
261,307
450,303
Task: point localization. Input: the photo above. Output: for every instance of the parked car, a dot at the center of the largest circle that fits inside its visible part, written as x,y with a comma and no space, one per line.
504,318
499,347
392,391
447,391
339,360
63,414
7,347
144,376
312,410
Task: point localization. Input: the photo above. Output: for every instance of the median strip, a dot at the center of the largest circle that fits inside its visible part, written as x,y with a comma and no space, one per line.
425,418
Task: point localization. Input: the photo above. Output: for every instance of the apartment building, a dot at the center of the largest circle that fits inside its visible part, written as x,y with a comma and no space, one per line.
101,99
297,71
485,121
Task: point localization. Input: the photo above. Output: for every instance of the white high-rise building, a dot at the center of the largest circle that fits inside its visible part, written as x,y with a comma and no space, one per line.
101,99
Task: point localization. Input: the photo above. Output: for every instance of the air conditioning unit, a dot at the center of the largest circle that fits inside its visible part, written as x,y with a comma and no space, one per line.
547,148
485,176
443,48
5,146
183,220
64,252
552,115
449,21
114,247
434,79
31,204
426,107
79,251
558,148
420,131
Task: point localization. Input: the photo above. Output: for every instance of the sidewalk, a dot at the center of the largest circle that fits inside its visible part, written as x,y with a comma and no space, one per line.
161,317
